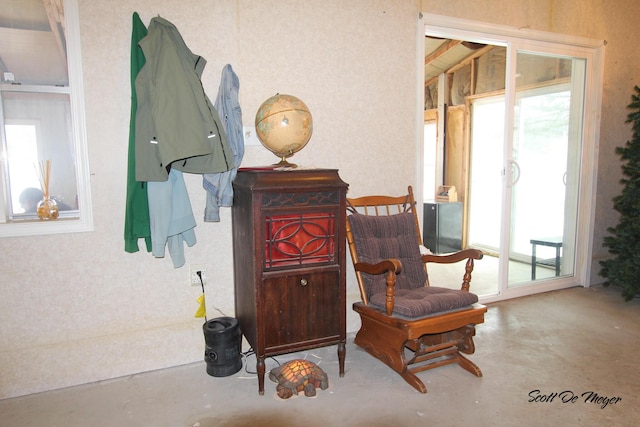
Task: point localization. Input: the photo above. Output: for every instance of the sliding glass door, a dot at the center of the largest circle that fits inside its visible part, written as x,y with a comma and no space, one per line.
545,157
524,188
486,173
532,113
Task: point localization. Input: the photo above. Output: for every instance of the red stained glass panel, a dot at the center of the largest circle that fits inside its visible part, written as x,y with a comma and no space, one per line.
297,239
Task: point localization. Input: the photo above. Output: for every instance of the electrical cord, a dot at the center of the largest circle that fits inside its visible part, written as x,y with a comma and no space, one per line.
199,273
251,352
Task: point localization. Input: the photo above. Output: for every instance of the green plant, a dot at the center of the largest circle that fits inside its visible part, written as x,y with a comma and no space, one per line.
623,269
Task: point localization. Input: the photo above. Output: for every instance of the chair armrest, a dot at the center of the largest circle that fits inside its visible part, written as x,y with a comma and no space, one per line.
453,257
381,267
389,266
468,254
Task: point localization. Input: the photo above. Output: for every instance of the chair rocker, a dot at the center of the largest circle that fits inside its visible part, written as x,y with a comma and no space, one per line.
407,324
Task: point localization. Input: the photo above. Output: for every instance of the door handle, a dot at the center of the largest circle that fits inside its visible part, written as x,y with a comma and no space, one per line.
515,167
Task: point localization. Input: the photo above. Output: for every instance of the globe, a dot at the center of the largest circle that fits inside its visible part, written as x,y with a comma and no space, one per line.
284,126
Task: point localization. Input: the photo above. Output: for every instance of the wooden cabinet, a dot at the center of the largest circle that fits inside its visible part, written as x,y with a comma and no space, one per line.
289,261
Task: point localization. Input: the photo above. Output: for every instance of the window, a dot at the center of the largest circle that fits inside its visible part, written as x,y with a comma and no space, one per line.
42,118
22,145
430,141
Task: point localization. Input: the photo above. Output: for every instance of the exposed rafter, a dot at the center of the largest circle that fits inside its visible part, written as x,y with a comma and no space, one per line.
475,51
444,48
478,53
55,13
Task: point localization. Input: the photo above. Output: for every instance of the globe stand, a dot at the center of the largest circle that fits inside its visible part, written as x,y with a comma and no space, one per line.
283,163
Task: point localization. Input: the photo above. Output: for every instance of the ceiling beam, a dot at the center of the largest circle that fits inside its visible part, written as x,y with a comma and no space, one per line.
463,62
55,13
478,53
441,50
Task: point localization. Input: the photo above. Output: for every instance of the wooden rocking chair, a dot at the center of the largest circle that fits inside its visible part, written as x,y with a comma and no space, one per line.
406,323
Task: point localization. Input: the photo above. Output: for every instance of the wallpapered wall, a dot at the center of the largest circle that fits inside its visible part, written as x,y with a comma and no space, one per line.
76,308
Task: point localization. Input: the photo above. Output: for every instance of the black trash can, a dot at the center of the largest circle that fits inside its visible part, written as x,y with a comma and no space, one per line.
222,352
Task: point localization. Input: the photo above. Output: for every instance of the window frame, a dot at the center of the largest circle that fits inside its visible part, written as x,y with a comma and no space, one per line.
84,220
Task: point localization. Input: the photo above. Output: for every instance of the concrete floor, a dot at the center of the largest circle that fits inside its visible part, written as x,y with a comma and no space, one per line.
568,342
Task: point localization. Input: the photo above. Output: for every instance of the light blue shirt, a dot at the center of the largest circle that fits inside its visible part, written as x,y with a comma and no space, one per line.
171,217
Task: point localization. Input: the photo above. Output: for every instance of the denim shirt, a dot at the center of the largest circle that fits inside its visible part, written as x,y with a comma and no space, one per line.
219,185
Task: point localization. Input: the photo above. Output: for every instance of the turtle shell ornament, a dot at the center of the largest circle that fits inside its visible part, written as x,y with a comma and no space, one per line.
296,376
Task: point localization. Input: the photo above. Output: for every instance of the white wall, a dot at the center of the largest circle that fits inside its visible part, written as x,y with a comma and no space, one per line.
76,308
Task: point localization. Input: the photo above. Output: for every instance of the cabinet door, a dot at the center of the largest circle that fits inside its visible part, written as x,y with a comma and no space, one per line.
430,227
300,309
450,227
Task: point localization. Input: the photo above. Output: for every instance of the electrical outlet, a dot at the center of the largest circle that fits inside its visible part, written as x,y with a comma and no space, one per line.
250,135
193,274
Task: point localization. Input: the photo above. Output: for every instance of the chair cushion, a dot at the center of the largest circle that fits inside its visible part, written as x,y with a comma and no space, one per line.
381,237
425,301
